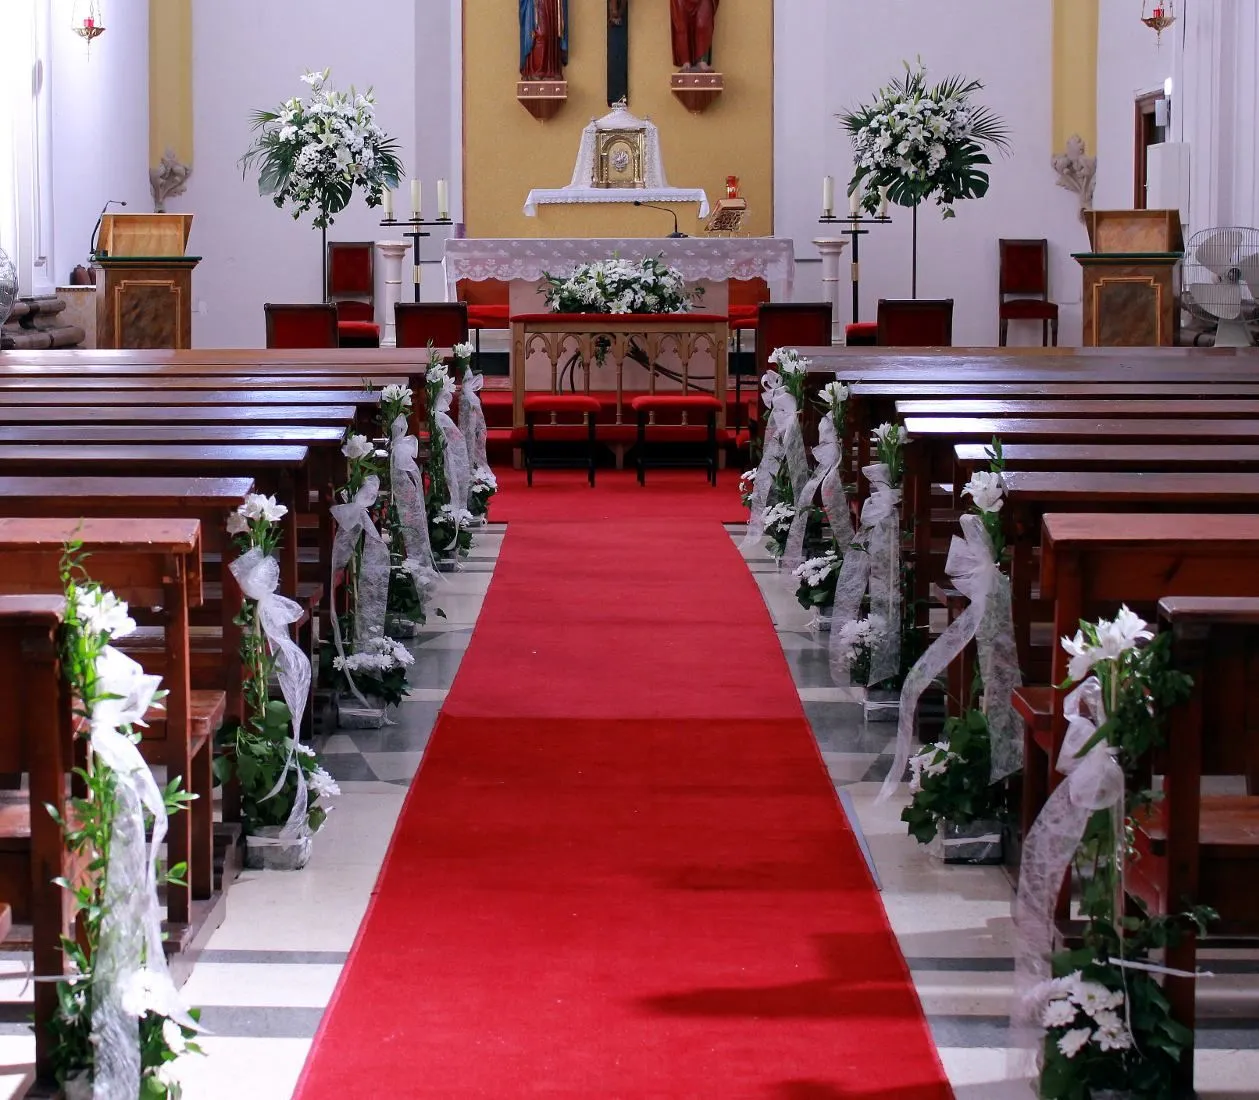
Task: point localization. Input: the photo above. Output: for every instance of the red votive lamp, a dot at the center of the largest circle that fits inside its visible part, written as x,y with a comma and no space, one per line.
89,23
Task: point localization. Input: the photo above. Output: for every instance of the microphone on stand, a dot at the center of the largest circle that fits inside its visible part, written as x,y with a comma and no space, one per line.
667,210
91,252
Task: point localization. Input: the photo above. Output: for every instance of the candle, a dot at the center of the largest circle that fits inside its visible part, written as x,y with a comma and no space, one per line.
828,196
443,200
89,23
415,200
854,202
883,202
388,196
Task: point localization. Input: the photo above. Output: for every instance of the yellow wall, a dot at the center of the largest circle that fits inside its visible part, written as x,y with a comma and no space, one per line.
170,79
507,151
1075,73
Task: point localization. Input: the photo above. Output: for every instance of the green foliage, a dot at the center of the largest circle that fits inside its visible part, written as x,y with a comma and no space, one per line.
961,790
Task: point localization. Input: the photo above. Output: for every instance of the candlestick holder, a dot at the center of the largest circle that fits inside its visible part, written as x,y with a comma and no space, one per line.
853,230
416,230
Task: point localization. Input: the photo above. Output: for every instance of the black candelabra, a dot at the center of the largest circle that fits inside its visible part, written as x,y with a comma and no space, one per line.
853,223
416,230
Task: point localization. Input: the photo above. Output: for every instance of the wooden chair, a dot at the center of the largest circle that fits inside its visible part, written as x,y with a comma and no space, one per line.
1023,288
301,325
489,306
444,324
786,325
352,289
915,323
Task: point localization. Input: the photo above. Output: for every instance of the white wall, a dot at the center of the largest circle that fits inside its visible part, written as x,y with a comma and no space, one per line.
99,125
832,54
249,55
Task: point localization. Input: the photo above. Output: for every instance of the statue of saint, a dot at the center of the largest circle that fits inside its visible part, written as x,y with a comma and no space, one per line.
616,12
543,39
693,34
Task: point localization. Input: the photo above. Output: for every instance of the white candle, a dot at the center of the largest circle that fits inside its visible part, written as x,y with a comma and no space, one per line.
883,203
388,195
415,200
828,196
854,202
443,200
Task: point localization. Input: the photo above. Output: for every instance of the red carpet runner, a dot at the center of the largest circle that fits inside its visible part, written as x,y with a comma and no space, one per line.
622,871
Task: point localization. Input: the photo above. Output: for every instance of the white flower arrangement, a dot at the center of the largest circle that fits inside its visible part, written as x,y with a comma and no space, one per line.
833,396
1112,640
463,353
789,361
313,153
747,486
377,655
777,519
1085,1012
618,286
398,394
886,433
357,447
257,506
816,571
101,612
483,478
986,490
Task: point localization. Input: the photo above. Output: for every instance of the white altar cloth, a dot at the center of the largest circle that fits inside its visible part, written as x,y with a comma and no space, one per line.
557,196
712,259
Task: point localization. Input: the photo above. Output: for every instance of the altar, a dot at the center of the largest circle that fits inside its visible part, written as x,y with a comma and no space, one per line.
708,262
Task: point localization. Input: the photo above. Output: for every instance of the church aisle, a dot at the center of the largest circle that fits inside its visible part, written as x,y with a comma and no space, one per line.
621,870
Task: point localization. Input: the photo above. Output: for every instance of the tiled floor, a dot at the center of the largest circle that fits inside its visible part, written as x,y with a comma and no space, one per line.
271,968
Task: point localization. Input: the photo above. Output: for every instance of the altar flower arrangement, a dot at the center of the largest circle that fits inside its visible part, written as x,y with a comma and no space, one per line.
283,786
922,141
120,1025
618,286
313,153
856,642
378,668
776,522
950,782
1096,1013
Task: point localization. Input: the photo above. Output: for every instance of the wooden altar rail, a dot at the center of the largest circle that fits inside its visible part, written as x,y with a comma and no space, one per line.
560,334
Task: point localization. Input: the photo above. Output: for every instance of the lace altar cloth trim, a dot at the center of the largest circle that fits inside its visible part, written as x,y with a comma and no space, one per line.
541,196
714,259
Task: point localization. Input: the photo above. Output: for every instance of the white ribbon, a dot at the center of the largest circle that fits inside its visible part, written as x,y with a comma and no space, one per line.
407,486
129,953
454,451
354,522
872,564
783,442
1094,782
987,618
828,480
259,576
472,422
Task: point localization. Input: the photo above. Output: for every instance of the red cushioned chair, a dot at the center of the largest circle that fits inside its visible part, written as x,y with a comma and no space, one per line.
489,306
682,405
555,405
301,326
745,298
352,288
916,323
445,324
861,334
789,325
1025,274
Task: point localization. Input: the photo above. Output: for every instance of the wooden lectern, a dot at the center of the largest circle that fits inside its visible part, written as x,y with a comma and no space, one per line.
144,281
1132,278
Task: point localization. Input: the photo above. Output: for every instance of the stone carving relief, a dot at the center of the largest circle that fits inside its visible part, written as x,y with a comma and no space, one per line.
167,180
1077,172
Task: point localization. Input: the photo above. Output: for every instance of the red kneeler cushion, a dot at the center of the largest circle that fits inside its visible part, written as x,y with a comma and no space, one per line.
862,334
488,316
1029,309
744,316
674,402
561,402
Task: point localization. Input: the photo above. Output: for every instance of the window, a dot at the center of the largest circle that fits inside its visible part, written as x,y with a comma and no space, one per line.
25,181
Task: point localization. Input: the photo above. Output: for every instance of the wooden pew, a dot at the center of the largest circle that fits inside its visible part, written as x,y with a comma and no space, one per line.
1206,406
1030,495
309,416
239,383
150,564
1091,564
279,470
1196,848
400,360
34,738
1239,457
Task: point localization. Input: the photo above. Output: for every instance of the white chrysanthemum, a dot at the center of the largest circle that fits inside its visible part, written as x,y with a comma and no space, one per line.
1093,997
483,478
1058,1014
463,352
986,490
358,446
322,784
168,1075
1074,1040
778,517
142,994
101,612
257,506
173,1037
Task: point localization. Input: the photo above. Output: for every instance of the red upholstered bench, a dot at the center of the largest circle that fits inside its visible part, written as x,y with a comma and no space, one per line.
647,406
862,334
358,334
555,405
